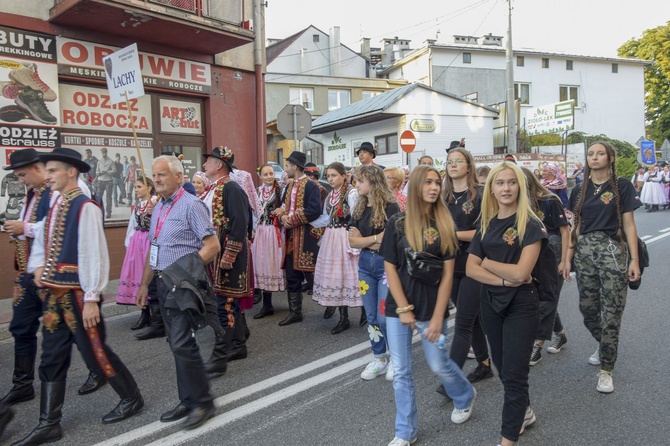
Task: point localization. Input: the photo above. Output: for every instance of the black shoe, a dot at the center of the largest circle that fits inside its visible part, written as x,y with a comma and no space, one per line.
240,353
144,320
22,380
330,311
295,309
179,412
258,296
156,328
536,355
126,408
292,318
18,394
6,415
442,391
480,372
342,325
32,100
198,416
364,319
265,311
93,383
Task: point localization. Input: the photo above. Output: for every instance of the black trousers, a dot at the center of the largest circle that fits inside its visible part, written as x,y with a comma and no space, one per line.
294,278
550,320
468,329
192,380
511,335
63,326
27,310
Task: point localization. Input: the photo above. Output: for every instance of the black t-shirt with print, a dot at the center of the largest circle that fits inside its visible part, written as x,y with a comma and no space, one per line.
465,215
419,294
365,227
552,214
501,244
599,211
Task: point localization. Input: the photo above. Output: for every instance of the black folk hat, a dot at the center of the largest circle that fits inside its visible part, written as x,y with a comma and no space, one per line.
297,158
69,156
454,144
368,147
22,158
224,154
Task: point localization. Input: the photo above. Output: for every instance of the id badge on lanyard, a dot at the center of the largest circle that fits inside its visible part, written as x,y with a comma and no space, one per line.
153,254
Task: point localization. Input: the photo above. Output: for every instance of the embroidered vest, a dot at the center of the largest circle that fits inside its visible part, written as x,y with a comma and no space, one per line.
39,211
61,268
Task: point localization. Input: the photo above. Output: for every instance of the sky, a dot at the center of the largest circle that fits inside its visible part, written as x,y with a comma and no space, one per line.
579,27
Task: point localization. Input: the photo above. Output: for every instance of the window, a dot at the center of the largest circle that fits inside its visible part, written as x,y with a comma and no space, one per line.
315,38
615,68
568,65
302,96
467,57
545,62
522,93
567,92
520,61
370,93
338,99
386,144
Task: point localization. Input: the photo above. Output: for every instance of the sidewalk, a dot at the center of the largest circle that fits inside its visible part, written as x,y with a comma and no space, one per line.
109,308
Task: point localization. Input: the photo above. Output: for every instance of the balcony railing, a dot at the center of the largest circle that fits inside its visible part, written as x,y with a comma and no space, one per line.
228,11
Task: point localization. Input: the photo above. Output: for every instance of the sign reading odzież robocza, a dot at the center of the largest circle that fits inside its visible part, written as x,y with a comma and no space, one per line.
551,118
123,74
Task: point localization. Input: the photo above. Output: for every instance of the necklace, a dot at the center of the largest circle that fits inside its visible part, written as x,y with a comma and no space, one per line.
597,187
335,197
462,194
266,193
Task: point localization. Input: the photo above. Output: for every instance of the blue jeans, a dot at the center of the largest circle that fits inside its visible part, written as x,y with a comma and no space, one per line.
447,371
374,292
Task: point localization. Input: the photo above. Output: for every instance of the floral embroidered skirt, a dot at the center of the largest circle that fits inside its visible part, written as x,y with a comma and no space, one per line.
652,193
133,267
267,253
336,274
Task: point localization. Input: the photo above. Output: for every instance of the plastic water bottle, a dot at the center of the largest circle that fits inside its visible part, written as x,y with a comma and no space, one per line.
423,326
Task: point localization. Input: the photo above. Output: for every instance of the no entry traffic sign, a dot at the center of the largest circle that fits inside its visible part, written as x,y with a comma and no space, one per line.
407,141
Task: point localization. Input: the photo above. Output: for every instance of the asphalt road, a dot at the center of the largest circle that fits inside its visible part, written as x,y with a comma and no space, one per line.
301,385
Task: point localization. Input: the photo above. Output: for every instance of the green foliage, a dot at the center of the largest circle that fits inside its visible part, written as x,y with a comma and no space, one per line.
654,45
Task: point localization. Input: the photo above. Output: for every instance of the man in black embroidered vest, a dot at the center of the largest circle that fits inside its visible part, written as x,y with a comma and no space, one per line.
73,271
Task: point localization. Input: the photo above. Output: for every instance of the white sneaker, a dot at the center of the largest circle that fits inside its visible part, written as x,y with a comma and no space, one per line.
605,382
594,359
389,371
400,442
471,353
528,420
375,368
460,416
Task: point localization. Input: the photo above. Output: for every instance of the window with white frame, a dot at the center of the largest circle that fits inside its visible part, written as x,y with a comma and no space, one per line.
520,61
386,144
467,57
567,92
522,92
338,99
302,96
371,93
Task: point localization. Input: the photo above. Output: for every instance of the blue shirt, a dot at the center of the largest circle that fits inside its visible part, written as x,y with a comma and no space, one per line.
186,224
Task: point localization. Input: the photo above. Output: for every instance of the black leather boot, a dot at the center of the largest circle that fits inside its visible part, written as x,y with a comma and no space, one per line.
93,383
144,320
131,402
343,324
295,309
51,404
267,309
257,295
156,329
22,380
364,319
218,362
330,312
239,341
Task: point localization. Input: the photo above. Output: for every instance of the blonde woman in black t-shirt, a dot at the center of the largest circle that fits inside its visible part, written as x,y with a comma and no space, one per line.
503,253
425,226
603,206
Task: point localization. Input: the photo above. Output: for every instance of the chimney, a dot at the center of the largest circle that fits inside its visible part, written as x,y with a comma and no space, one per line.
335,51
365,47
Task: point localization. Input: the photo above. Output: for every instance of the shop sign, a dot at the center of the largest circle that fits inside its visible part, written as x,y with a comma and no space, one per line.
29,106
422,125
92,108
181,117
85,59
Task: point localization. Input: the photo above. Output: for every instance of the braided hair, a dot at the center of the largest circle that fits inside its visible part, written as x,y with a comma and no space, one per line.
612,180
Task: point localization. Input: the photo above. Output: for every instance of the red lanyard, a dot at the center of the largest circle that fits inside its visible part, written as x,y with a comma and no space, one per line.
159,225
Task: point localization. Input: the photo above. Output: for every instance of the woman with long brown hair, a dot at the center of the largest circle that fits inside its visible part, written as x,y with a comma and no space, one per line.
425,227
603,207
374,207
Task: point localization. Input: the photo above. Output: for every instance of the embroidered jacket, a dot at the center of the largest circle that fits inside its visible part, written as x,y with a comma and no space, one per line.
38,212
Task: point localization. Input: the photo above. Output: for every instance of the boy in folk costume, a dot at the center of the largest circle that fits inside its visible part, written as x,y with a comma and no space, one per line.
302,204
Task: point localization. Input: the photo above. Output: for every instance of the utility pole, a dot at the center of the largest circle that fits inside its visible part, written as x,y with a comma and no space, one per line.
510,109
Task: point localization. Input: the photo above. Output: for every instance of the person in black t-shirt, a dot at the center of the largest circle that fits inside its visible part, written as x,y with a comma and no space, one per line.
464,199
603,206
549,208
366,232
425,226
503,253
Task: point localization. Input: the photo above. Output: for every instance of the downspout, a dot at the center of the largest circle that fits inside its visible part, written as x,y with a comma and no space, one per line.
259,38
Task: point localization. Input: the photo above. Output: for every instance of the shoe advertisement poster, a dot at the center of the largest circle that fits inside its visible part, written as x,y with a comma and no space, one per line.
29,106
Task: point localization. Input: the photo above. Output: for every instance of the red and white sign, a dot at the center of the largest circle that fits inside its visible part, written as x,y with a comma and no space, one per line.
181,117
407,141
85,59
92,108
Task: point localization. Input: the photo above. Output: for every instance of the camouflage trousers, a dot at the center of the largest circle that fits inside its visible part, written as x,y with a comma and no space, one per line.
602,280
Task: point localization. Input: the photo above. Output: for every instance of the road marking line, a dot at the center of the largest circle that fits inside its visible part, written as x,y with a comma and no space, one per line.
645,237
664,230
658,237
225,418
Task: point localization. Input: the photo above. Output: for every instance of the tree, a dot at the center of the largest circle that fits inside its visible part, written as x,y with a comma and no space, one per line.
654,45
